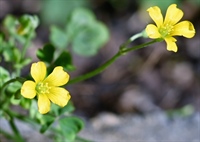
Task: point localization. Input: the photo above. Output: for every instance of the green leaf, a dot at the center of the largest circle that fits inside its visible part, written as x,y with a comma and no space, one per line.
101,34
90,39
46,53
57,11
65,60
58,37
21,28
3,44
25,103
58,111
70,126
46,120
79,19
68,108
23,63
13,87
20,79
33,109
27,24
4,76
10,23
11,54
16,98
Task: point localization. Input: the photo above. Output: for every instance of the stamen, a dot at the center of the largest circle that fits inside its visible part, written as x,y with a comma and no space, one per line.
166,30
42,88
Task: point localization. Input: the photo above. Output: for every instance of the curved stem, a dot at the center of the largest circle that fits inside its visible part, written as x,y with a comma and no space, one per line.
141,46
2,89
96,71
6,134
15,130
134,37
121,51
20,79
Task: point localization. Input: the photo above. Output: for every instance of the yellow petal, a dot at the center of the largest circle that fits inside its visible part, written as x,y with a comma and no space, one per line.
59,96
58,77
171,44
173,15
28,89
156,15
38,71
152,31
43,103
184,28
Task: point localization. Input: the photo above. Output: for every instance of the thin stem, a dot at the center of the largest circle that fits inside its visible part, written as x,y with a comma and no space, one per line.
2,89
3,96
121,51
25,47
20,79
96,71
8,82
140,46
6,134
15,130
82,139
134,37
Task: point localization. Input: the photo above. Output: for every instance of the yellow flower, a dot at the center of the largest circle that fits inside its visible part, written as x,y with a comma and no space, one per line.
169,27
46,88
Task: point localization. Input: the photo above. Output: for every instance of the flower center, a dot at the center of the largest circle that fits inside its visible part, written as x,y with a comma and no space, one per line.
166,30
42,88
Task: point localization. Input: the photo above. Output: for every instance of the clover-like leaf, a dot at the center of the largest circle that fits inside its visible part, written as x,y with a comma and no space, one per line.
58,37
70,126
46,53
89,40
79,19
65,60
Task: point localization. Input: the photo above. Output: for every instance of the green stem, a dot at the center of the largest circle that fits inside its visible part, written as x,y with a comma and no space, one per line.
125,50
20,79
82,139
96,71
121,51
15,131
134,37
26,45
6,134
3,96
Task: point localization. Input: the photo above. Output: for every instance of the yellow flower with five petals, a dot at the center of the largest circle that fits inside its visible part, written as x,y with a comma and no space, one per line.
169,27
46,88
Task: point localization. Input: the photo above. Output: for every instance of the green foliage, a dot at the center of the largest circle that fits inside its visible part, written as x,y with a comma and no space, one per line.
17,32
69,127
57,11
86,34
90,40
46,54
26,24
4,76
58,37
65,60
82,32
22,28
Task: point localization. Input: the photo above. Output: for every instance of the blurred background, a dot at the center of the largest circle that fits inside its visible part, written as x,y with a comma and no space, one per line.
138,82
141,82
